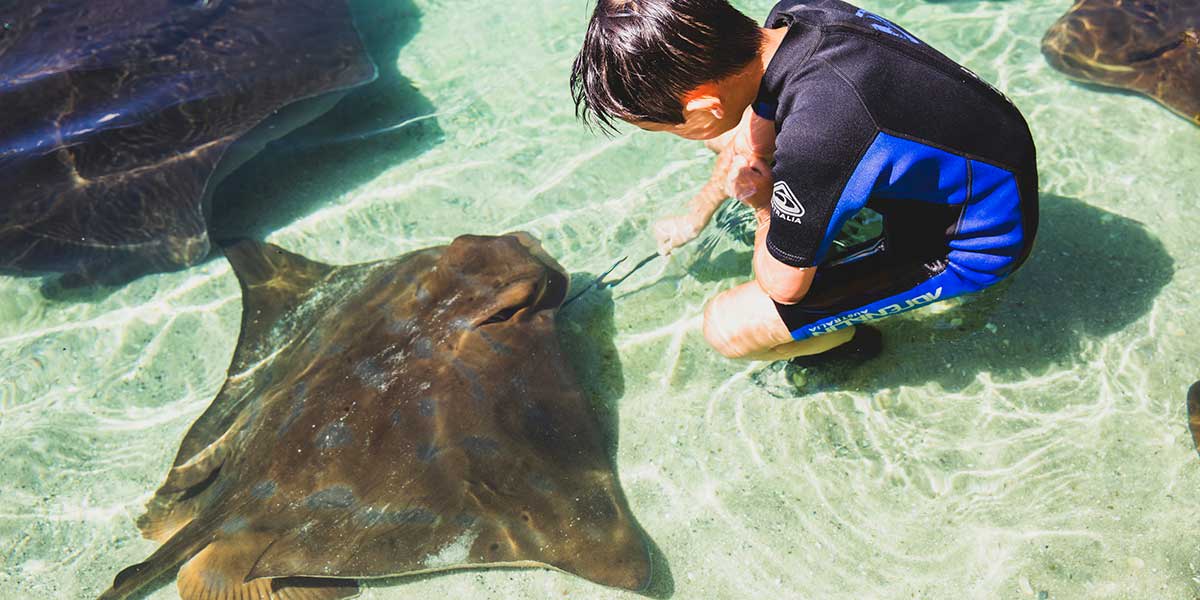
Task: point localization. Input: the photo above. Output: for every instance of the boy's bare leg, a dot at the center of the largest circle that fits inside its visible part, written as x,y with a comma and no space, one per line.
743,323
809,347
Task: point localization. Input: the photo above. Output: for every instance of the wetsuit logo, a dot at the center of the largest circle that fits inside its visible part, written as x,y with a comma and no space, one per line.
866,316
785,204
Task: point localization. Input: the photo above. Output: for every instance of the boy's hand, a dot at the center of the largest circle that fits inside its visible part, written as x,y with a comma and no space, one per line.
742,171
673,232
750,181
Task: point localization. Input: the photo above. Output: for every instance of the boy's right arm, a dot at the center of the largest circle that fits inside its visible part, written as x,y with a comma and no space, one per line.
675,231
742,159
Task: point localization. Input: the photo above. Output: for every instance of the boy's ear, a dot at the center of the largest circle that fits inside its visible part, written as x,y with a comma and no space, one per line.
704,99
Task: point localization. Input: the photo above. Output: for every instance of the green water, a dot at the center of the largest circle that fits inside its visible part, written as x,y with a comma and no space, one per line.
1031,440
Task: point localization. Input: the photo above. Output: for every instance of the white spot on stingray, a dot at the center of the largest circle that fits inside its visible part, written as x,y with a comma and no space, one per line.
455,553
375,373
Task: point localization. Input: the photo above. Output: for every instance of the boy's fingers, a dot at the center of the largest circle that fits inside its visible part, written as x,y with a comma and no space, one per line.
737,184
673,232
737,164
760,167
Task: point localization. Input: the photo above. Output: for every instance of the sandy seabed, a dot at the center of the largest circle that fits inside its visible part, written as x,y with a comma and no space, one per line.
1029,442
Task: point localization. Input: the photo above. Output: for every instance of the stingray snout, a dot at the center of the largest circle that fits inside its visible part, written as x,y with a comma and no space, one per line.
557,280
535,248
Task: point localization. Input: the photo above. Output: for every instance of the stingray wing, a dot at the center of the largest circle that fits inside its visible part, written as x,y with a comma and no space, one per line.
1178,84
500,461
408,539
275,283
282,297
1150,47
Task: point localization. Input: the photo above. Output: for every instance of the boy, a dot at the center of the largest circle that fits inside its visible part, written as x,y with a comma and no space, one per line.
855,112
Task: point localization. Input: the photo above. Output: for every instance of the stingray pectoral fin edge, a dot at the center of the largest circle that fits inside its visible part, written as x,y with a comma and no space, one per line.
218,572
199,468
169,509
182,546
193,545
273,282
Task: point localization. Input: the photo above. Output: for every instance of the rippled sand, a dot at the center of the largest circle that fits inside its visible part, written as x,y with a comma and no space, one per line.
1027,441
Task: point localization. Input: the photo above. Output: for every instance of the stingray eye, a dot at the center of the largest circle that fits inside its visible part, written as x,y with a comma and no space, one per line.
520,296
503,315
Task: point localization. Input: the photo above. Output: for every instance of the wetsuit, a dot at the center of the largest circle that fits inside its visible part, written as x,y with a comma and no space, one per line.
869,116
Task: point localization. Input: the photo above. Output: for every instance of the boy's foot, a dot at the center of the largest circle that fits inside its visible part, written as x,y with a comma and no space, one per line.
784,379
866,344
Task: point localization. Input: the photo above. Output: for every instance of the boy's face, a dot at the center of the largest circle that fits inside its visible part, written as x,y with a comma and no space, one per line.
691,129
704,118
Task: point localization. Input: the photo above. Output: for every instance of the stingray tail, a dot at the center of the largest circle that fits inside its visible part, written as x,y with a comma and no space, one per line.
186,543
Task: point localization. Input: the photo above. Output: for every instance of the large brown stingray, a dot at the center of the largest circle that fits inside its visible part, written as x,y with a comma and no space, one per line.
390,418
1147,46
118,117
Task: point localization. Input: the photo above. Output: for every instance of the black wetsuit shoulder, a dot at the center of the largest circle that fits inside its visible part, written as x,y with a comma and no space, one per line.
866,111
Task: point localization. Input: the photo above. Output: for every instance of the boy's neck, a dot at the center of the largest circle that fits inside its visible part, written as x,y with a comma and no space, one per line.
745,84
772,40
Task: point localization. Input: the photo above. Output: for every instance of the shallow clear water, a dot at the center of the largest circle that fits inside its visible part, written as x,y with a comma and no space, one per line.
1031,440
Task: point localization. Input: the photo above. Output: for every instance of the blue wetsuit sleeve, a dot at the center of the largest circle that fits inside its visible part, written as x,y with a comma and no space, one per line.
818,146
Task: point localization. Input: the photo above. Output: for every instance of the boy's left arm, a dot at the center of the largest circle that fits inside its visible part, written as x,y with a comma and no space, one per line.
785,284
747,150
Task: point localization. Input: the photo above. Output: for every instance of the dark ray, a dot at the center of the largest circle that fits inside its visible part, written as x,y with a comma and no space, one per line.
120,116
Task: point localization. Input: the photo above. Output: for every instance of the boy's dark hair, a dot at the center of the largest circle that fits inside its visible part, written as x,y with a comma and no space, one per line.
640,57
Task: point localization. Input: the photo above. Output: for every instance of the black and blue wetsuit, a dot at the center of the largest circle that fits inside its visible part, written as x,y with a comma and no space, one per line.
867,115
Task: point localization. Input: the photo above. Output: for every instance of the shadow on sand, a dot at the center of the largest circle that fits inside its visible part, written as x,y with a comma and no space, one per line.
1092,274
367,132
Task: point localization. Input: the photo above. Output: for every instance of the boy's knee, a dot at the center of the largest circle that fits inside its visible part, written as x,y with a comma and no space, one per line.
726,330
744,323
718,332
